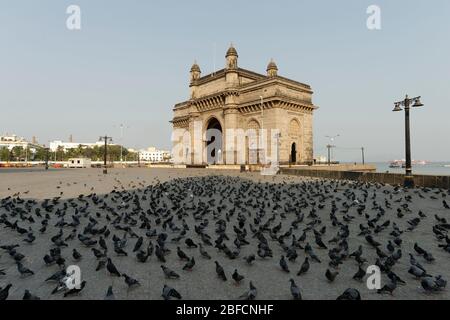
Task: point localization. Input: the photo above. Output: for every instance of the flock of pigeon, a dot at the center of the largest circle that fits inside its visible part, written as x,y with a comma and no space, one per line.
227,230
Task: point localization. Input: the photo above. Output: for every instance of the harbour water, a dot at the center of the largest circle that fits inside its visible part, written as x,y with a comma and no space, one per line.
432,168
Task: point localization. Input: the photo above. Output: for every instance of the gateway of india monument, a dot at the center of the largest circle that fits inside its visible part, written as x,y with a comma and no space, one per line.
236,98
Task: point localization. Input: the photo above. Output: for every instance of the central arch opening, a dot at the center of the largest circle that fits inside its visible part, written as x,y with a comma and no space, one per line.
214,142
294,153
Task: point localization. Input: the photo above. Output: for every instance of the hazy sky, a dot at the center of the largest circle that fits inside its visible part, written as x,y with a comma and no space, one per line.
130,64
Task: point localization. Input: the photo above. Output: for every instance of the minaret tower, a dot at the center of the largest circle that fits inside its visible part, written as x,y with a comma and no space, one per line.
231,67
195,75
231,103
272,69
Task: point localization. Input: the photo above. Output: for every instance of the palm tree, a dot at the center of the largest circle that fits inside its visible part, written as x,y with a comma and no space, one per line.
60,151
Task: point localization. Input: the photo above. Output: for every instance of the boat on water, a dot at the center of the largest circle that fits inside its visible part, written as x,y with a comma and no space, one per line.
396,164
402,163
447,166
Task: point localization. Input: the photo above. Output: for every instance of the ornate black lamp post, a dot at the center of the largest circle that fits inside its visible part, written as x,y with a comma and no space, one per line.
409,178
106,139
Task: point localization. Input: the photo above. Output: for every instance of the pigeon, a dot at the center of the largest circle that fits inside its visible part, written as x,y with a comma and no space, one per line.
331,276
429,285
417,272
304,268
130,281
388,288
182,255
237,277
28,296
295,291
112,268
4,292
440,282
418,249
169,292
138,244
203,252
220,272
249,259
446,206
283,265
49,260
350,294
76,255
75,291
360,274
98,254
169,274
189,265
110,294
23,270
190,243
101,264
251,293
57,277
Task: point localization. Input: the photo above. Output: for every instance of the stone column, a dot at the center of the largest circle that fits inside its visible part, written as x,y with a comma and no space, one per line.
308,136
196,135
229,143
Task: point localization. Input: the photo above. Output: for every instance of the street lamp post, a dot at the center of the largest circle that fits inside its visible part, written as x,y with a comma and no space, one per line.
106,139
330,147
47,150
406,103
139,159
122,127
363,157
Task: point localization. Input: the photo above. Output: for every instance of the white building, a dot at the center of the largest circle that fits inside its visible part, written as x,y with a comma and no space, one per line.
11,141
54,145
154,155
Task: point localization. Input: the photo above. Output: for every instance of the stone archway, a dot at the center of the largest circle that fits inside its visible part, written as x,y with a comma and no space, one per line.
295,138
293,156
252,142
214,142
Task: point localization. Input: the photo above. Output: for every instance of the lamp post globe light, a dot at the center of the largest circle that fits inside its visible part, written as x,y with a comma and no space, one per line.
406,104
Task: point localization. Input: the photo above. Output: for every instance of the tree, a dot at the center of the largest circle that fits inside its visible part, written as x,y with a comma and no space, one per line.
4,154
17,153
60,153
40,154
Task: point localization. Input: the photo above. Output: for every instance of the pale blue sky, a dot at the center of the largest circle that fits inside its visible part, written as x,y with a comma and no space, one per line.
130,64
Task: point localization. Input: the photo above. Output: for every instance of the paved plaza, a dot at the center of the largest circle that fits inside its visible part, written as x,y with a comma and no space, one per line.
171,199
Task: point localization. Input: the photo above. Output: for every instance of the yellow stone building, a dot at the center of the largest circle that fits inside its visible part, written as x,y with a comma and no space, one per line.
236,98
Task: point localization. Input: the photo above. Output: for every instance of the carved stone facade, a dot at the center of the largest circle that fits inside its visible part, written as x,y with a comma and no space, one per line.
235,98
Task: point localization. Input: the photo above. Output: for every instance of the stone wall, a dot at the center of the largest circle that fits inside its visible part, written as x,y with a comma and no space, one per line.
388,178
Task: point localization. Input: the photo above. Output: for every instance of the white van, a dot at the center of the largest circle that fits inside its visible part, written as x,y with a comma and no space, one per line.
79,163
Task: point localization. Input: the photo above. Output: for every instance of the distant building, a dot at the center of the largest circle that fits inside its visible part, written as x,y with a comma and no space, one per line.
321,159
11,141
54,145
154,155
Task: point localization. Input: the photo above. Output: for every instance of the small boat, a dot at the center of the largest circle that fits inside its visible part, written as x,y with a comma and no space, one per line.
395,164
